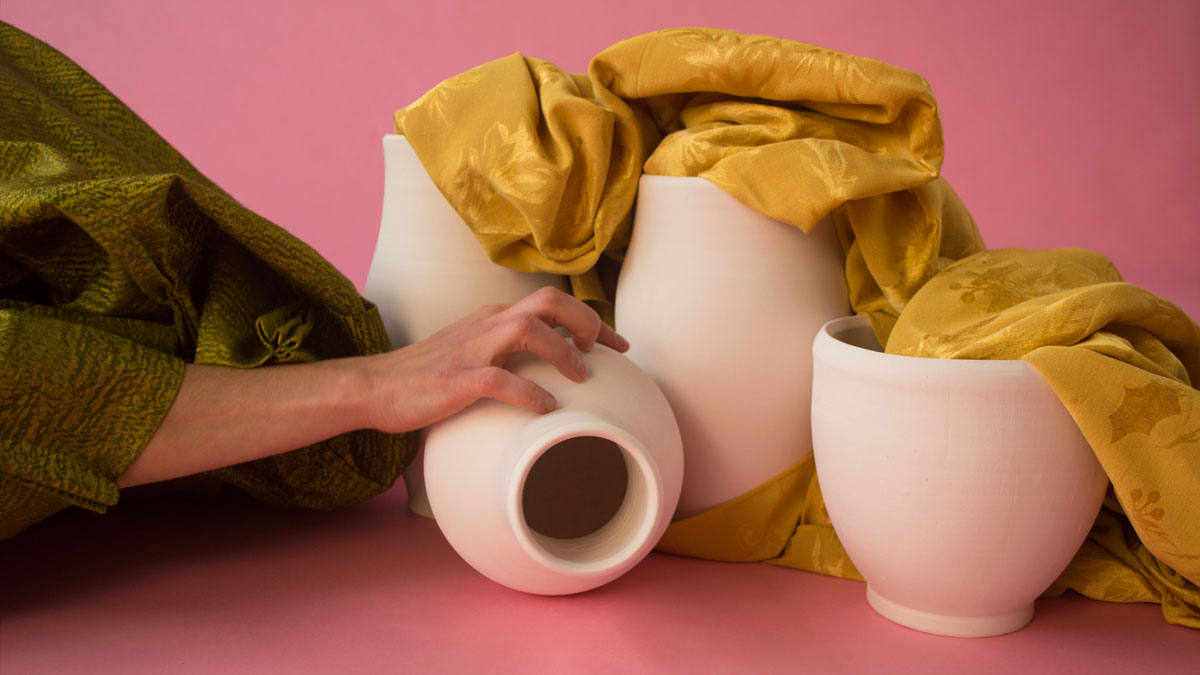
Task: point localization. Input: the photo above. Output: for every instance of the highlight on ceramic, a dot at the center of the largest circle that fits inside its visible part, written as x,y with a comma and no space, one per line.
429,270
566,501
960,489
719,304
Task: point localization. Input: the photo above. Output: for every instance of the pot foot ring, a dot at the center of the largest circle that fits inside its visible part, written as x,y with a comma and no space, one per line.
943,624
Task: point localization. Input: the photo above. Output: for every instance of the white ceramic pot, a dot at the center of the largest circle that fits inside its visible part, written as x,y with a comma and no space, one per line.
429,270
720,304
562,502
961,489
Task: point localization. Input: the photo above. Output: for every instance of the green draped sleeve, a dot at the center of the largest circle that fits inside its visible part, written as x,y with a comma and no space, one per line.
119,263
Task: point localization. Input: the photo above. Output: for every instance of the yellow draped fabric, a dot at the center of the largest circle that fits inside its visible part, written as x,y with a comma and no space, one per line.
1122,360
543,166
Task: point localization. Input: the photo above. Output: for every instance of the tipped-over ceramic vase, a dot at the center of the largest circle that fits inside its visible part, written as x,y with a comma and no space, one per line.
960,489
429,270
566,501
720,305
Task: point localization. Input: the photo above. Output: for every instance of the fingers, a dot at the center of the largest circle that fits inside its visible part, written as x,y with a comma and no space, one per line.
438,376
527,332
557,308
611,338
502,385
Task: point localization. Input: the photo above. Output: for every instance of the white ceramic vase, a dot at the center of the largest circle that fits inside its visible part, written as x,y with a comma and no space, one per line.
562,502
961,489
429,270
720,304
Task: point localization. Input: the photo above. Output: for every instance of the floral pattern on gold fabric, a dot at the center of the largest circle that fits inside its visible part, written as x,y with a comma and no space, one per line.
798,132
1122,361
736,109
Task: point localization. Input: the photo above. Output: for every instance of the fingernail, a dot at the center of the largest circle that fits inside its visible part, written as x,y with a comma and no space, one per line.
549,403
581,367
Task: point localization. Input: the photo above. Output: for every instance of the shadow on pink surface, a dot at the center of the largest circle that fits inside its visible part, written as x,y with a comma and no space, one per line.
220,583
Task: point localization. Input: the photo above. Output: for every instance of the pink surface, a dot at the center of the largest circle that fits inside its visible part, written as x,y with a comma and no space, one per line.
1067,124
183,586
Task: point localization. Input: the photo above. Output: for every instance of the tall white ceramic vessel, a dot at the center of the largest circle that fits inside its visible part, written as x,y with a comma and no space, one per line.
720,304
562,502
429,270
960,489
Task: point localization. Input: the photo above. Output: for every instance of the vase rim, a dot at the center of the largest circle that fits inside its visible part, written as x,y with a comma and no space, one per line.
639,523
680,181
831,343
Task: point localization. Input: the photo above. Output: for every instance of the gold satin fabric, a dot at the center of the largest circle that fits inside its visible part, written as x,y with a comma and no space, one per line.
1122,360
543,164
543,167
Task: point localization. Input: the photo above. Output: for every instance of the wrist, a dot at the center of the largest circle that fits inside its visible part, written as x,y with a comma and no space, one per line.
350,390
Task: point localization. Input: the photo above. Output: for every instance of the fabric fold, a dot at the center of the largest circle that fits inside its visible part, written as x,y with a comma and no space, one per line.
543,166
119,263
1122,361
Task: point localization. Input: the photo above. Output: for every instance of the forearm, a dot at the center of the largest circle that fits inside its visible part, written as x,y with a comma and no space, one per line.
223,416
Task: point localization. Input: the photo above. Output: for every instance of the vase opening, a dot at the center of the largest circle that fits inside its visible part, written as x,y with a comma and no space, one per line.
588,502
855,334
575,487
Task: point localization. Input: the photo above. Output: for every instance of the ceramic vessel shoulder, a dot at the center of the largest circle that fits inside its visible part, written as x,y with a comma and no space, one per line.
716,299
479,462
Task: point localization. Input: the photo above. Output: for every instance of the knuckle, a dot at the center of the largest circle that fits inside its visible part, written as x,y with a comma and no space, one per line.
490,379
525,323
549,295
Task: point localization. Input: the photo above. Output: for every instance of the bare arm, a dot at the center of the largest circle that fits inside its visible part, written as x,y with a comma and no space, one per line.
225,416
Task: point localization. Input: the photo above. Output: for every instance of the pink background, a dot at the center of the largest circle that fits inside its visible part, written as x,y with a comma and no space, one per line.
1067,124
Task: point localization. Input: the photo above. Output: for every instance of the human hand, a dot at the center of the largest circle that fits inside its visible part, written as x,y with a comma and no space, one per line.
422,383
